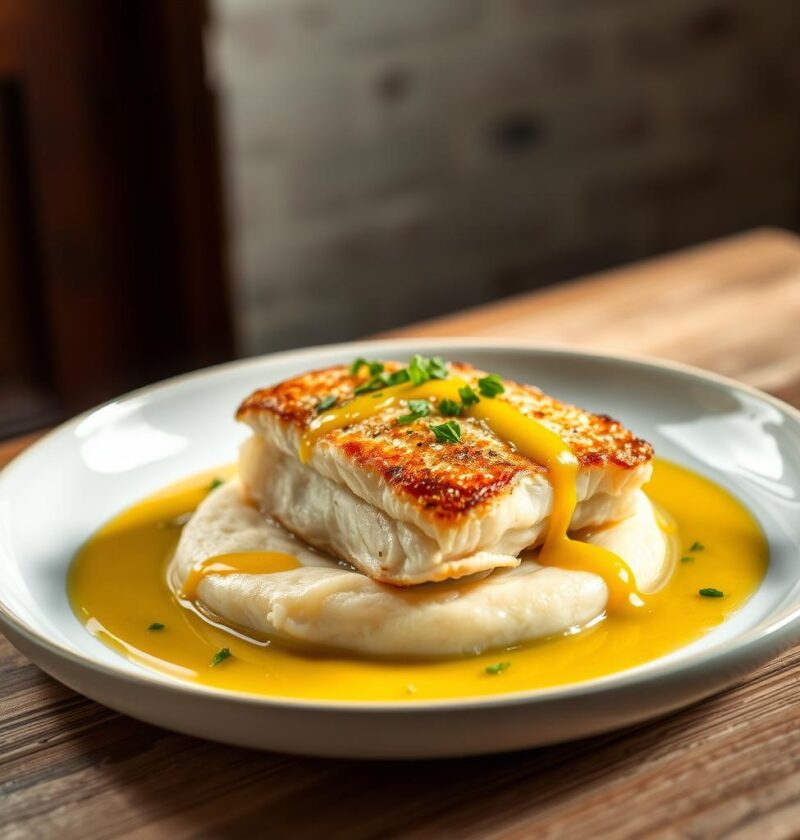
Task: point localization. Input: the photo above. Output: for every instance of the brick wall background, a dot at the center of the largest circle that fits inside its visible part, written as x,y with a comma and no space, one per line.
388,161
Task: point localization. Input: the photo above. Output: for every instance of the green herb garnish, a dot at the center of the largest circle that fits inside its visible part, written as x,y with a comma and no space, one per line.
497,668
438,368
696,546
710,592
398,377
418,370
217,482
450,408
449,432
373,384
156,625
491,385
687,559
220,656
373,367
328,402
421,369
418,408
468,396
357,365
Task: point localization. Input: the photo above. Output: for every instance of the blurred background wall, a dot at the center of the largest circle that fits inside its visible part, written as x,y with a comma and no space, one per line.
389,161
182,182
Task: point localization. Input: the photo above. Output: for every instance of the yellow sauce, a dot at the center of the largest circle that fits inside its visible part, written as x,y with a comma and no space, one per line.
117,586
533,440
242,562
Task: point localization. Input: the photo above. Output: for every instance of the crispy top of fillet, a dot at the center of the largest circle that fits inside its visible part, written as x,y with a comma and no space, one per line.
447,480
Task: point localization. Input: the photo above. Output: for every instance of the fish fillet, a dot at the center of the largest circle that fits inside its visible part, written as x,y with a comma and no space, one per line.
404,509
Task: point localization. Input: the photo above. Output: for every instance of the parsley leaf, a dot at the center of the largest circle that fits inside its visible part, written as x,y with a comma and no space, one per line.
497,668
710,592
491,385
379,378
450,408
418,370
373,368
468,396
687,559
449,432
418,408
328,402
156,625
398,377
421,369
373,384
438,368
217,482
696,546
220,656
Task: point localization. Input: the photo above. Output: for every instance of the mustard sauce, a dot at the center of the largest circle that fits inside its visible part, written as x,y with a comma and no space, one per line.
118,589
533,440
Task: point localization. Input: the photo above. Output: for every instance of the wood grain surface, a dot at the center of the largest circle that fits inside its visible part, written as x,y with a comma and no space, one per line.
729,766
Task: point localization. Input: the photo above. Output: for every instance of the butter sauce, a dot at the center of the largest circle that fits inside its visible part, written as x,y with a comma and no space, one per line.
531,438
242,562
118,589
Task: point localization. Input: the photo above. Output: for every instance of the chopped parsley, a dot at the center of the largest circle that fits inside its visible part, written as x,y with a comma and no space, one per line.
710,592
497,667
156,625
417,409
449,432
422,368
220,656
491,385
419,370
398,377
468,396
450,408
696,546
217,482
328,402
374,383
373,368
382,380
687,559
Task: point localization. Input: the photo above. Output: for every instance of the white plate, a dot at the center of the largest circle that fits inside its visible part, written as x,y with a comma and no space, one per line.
59,491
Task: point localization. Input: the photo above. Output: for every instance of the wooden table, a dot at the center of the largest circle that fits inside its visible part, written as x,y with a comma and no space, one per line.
729,765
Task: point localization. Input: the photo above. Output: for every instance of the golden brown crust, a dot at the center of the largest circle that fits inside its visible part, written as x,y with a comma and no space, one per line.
445,479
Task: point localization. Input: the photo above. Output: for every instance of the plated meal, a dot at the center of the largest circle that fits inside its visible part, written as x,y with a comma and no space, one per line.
415,530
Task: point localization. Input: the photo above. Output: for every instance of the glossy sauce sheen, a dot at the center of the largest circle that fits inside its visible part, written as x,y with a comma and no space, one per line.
118,588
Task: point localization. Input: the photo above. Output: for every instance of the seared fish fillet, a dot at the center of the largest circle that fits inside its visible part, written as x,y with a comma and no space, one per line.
405,509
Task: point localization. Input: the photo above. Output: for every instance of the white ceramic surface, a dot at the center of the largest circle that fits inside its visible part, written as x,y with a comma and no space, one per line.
59,491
